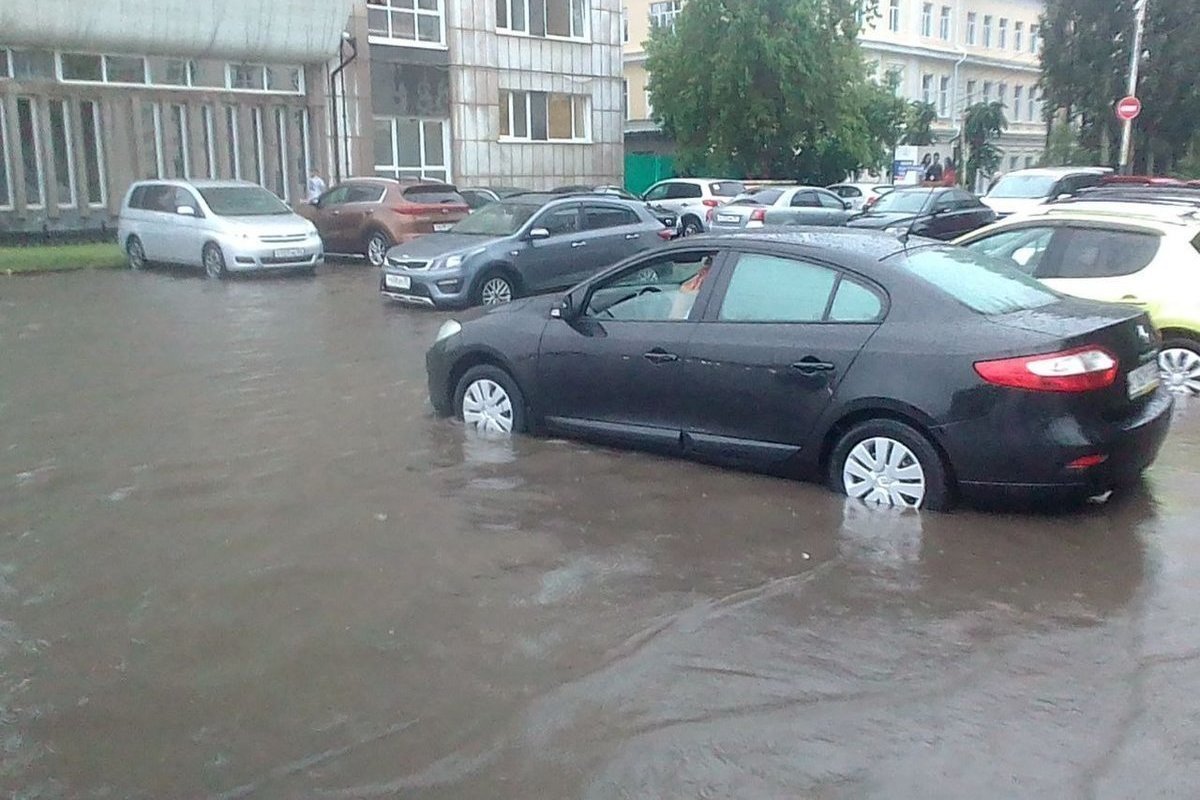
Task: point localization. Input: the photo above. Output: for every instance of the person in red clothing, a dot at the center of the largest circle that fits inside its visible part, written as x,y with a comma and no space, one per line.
949,173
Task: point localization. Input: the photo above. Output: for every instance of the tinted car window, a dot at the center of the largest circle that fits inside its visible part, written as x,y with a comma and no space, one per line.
727,188
679,191
597,217
763,197
560,220
1024,247
157,197
773,289
981,283
433,194
806,199
658,192
335,197
855,303
847,191
1095,253
661,290
364,194
185,198
829,201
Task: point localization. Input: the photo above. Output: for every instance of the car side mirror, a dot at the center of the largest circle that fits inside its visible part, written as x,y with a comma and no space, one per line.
185,211
539,233
1064,196
846,205
939,211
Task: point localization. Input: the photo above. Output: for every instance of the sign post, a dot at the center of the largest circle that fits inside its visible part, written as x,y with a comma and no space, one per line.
1135,107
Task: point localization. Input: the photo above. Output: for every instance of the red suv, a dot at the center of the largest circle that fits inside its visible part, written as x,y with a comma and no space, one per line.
366,216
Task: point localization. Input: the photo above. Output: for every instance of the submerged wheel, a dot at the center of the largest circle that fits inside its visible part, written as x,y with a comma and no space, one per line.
489,401
888,463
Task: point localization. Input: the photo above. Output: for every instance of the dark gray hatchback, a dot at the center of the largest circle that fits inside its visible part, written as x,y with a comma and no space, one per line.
525,244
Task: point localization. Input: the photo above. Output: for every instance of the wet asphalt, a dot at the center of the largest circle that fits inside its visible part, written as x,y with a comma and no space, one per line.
239,558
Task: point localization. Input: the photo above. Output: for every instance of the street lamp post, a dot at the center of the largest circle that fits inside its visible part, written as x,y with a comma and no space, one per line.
1134,61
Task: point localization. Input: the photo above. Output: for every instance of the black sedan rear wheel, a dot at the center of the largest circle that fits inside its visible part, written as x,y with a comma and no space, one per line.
887,463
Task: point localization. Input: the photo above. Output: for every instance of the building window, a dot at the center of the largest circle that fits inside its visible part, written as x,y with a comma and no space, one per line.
544,116
6,188
64,156
260,156
1002,41
624,99
1018,36
1028,162
662,15
562,18
31,156
32,65
624,25
304,162
927,19
1034,106
944,96
927,89
895,78
78,67
178,144
1012,163
93,152
282,187
971,19
247,76
210,142
1033,38
1002,96
987,91
1018,92
152,144
408,21
234,143
412,148
87,68
944,24
5,70
894,16
987,30
970,93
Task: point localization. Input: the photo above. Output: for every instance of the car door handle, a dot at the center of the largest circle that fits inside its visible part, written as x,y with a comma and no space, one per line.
337,213
632,235
660,357
578,244
811,366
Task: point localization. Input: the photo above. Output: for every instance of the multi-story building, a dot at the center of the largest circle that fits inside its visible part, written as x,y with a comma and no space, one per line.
509,92
950,53
95,95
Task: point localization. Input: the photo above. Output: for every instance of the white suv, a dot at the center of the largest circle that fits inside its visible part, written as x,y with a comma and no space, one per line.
692,198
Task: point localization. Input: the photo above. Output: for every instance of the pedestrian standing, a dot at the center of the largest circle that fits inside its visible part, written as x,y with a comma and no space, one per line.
934,173
316,186
949,173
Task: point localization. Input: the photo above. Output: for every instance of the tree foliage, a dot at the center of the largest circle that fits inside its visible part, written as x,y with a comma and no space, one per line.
918,124
1085,62
982,123
770,89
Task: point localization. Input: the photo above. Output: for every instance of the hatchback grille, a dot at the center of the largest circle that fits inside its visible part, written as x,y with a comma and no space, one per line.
407,264
290,237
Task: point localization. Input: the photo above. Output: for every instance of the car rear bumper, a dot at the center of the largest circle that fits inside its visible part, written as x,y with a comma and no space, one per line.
1034,456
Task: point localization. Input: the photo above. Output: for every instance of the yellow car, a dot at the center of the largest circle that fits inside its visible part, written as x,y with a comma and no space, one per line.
1144,254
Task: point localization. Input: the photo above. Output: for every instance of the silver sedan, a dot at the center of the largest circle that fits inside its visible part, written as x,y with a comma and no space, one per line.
781,205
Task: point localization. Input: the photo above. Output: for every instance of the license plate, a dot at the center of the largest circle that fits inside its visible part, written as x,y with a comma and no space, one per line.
442,227
289,252
397,281
1143,380
727,218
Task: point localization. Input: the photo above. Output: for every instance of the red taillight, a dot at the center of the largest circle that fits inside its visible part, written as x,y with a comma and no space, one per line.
711,202
758,215
1087,462
666,234
1081,370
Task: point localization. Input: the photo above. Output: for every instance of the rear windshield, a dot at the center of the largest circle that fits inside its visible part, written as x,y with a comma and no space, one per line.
243,201
980,282
763,197
727,188
433,195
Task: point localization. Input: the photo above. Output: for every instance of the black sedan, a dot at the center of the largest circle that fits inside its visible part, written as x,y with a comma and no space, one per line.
901,373
940,212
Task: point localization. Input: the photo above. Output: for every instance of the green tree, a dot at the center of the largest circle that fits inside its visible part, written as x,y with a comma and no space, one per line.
770,89
982,123
918,124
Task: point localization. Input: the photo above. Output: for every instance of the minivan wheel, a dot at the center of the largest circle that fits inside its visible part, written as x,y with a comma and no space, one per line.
691,227
887,463
489,402
1179,365
495,289
135,253
214,261
377,247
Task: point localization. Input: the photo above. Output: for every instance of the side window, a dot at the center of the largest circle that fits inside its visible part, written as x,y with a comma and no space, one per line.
943,202
853,302
159,198
364,194
1023,247
683,191
335,196
773,289
560,221
1096,253
598,217
137,199
964,201
806,199
847,192
829,201
185,198
658,192
662,289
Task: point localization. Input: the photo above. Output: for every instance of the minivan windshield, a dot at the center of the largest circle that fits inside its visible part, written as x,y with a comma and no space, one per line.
910,202
980,282
1023,186
243,201
497,219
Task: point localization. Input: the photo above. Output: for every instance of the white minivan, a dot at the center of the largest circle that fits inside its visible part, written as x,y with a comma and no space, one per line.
221,226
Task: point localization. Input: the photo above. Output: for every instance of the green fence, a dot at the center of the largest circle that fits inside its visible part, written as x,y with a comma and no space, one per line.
643,170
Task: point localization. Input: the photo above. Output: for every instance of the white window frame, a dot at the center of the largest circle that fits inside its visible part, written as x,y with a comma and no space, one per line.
970,98
390,8
281,161
1018,92
624,99
98,145
189,72
664,18
586,138
160,171
1034,110
649,104
69,142
1018,36
585,36
894,16
1034,43
624,24
37,152
944,24
927,88
394,169
987,30
1002,34
987,91
972,20
260,148
1002,96
927,20
233,130
305,145
944,96
8,172
210,142
183,133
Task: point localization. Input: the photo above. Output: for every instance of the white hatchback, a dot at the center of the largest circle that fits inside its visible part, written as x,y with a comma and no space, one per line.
221,226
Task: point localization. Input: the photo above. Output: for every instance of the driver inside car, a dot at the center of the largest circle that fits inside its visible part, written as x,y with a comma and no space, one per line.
685,297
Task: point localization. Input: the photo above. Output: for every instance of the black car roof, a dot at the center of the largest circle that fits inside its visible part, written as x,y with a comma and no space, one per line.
545,198
859,243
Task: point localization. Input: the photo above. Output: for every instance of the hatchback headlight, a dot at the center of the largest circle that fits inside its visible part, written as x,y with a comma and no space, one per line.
448,329
897,230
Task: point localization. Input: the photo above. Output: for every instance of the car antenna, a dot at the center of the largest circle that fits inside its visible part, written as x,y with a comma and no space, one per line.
913,222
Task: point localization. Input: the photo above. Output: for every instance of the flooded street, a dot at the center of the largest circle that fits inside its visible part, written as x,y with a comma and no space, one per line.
239,558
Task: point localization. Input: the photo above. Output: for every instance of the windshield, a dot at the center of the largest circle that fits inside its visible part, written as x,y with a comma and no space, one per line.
1027,186
762,197
905,202
243,201
980,282
497,219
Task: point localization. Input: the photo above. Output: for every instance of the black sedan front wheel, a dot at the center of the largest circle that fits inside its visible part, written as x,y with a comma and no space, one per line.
489,401
887,463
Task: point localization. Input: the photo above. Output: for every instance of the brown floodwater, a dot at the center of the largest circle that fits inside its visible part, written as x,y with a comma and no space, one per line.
239,558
